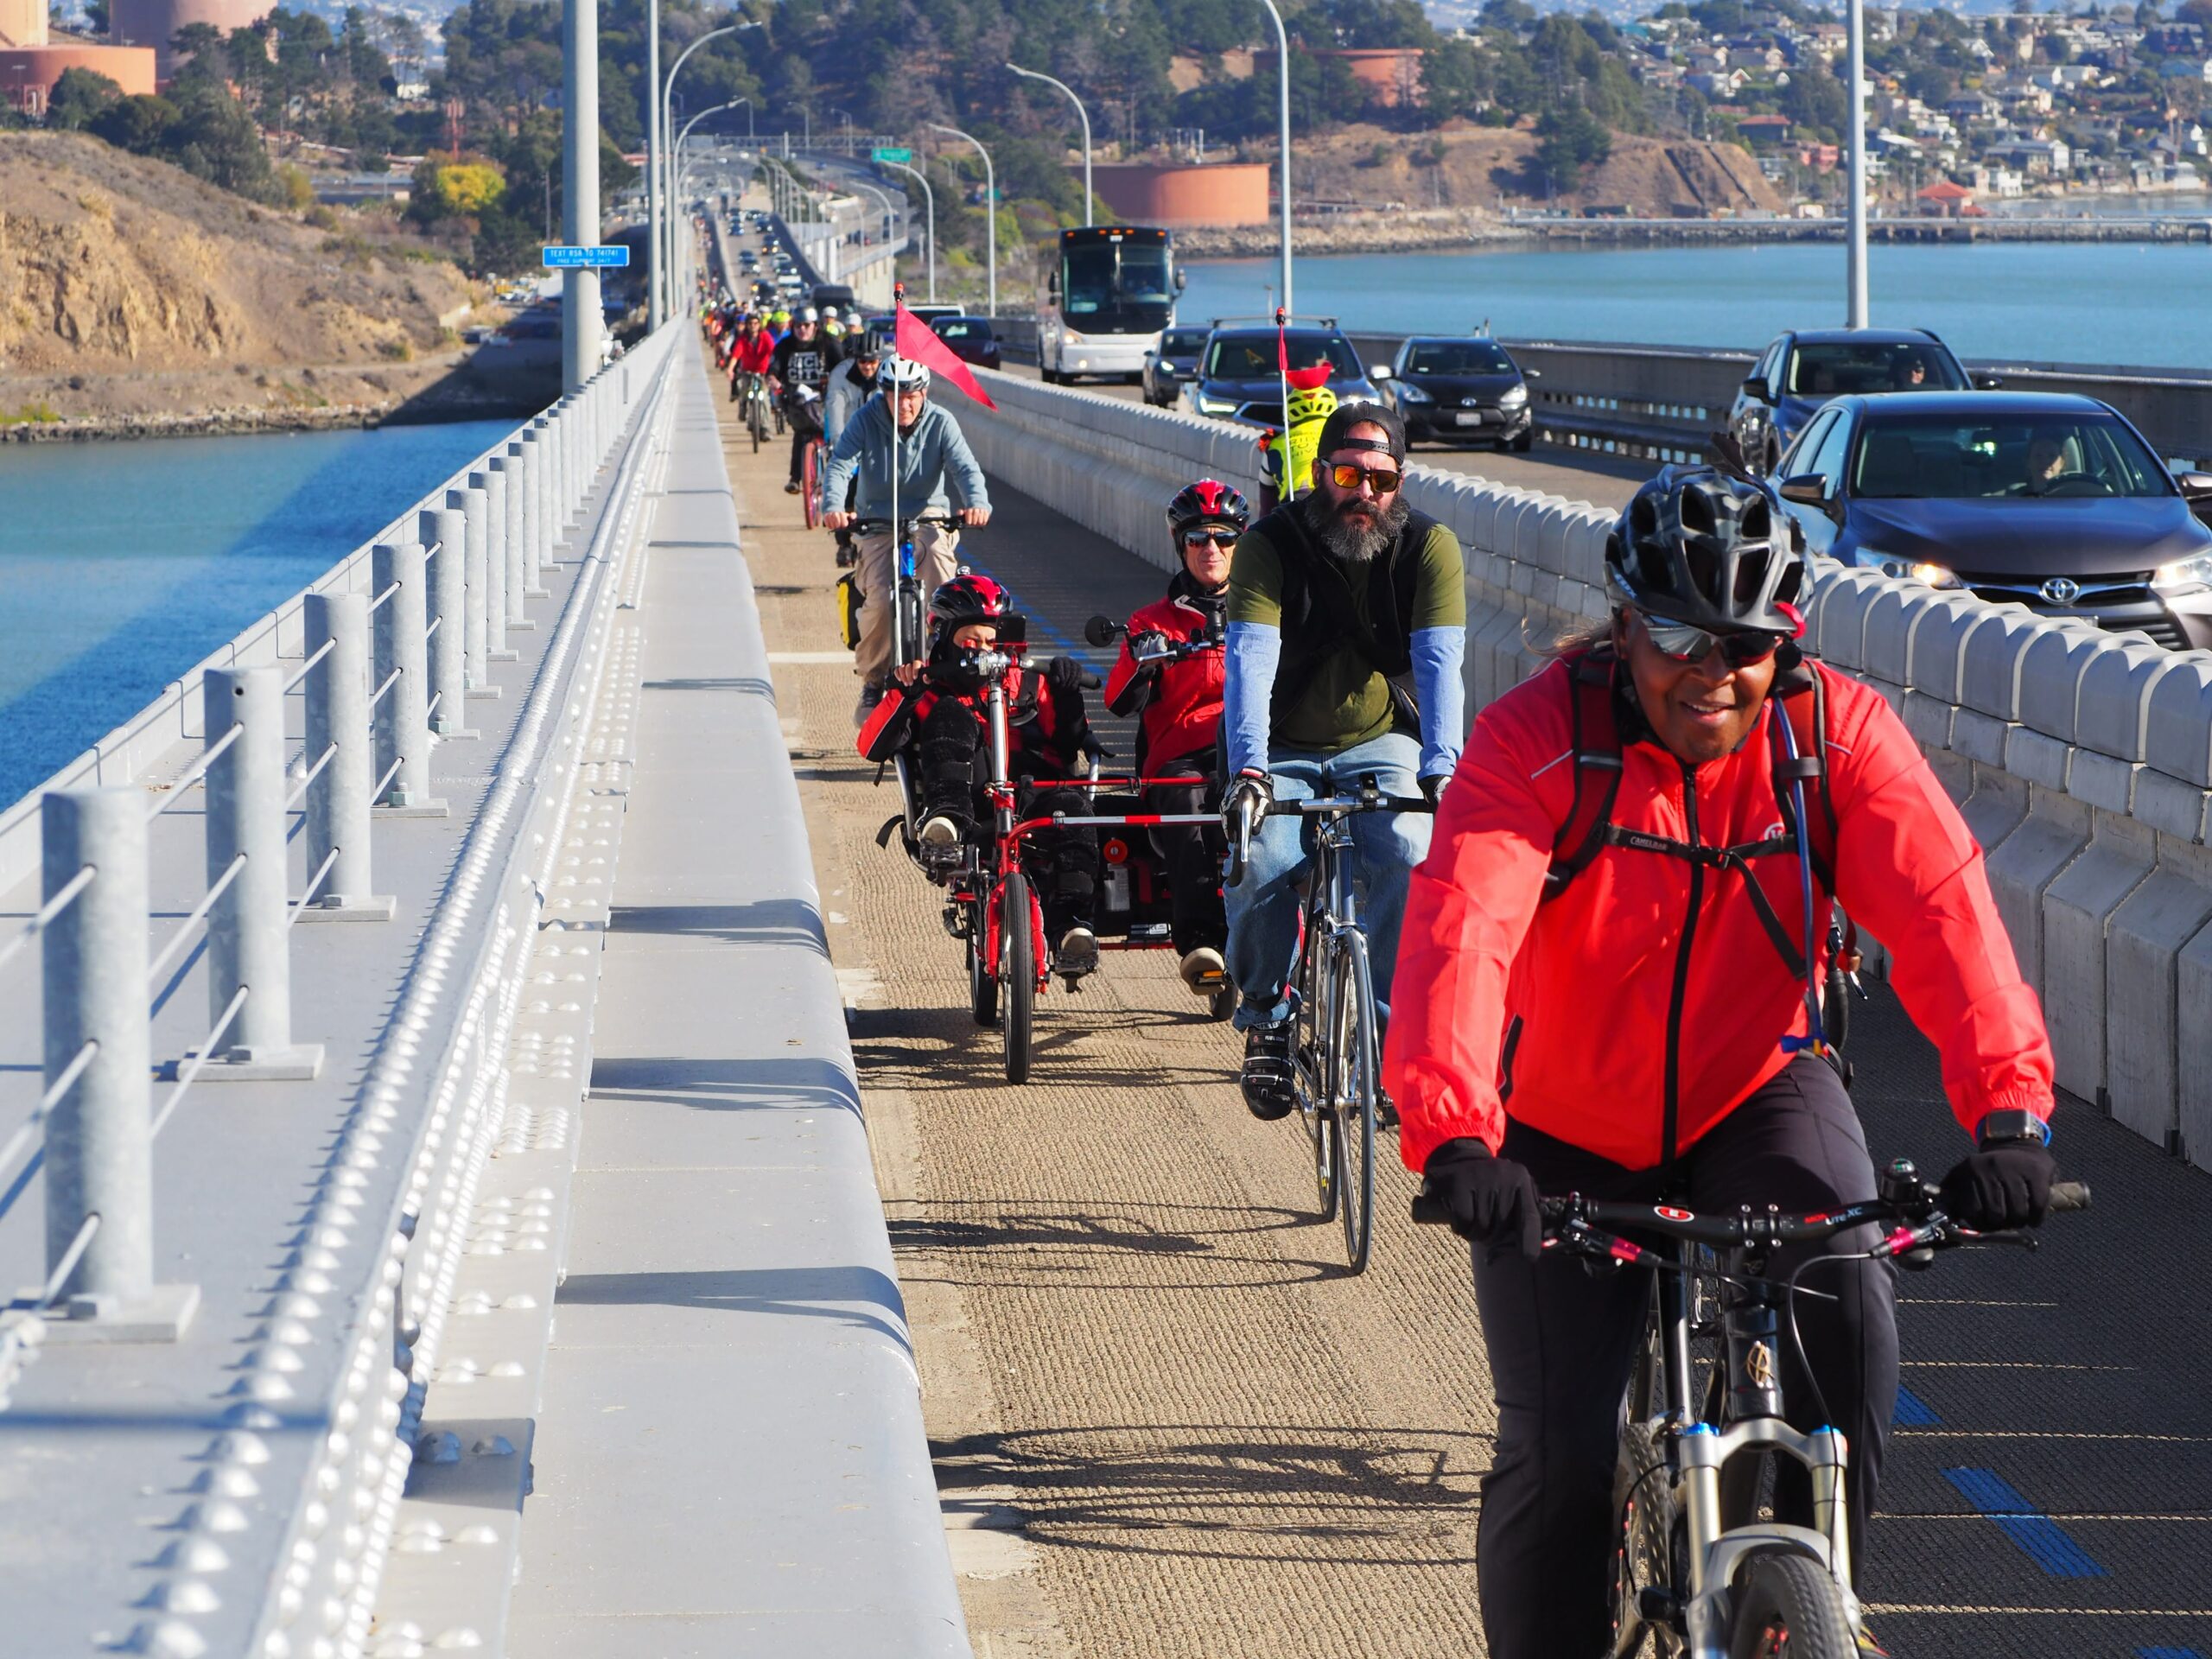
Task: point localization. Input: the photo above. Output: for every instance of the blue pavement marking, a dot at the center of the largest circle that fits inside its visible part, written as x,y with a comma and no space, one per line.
2036,1534
2167,1652
1037,624
1913,1412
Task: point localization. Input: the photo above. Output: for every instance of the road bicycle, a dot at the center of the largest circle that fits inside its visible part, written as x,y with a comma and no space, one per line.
756,405
907,598
1336,1052
1697,1571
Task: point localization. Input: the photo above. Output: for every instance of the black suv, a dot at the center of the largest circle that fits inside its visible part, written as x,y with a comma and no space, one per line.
1801,370
1462,390
1171,362
1240,379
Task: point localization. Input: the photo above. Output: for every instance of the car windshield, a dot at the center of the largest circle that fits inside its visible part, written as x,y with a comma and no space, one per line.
973,329
1252,356
1458,357
1842,368
1945,458
1183,342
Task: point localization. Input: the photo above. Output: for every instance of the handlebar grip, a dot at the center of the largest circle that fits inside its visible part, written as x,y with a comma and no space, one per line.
1428,1209
2070,1195
1090,681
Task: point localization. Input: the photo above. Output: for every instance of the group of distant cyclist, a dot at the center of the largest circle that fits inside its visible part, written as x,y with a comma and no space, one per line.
1600,958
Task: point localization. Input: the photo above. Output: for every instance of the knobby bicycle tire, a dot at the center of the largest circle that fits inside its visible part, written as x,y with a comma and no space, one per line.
1787,1606
1647,1525
1017,974
1350,1072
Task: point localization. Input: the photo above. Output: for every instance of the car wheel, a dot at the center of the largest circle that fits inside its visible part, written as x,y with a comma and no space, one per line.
1522,445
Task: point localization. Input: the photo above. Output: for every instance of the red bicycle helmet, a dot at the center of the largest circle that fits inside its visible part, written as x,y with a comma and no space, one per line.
1208,501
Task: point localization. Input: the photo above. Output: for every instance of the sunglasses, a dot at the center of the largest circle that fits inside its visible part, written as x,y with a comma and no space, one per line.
1684,644
1349,476
1208,538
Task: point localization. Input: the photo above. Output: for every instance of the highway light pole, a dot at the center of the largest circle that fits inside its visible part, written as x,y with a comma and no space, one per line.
667,94
1085,116
656,307
990,209
1854,286
581,321
928,200
1282,92
684,137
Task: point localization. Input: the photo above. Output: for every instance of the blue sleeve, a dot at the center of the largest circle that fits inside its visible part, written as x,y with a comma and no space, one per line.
844,461
1438,653
1247,692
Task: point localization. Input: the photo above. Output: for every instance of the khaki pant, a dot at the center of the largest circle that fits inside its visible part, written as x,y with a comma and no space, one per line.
935,549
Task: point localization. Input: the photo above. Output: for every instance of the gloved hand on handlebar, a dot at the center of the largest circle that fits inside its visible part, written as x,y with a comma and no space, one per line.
1249,792
2003,1185
1488,1199
1151,643
1433,786
1067,673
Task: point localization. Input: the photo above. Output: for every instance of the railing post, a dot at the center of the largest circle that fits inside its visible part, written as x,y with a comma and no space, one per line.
99,1156
401,674
500,556
446,530
522,528
544,528
475,505
337,799
249,932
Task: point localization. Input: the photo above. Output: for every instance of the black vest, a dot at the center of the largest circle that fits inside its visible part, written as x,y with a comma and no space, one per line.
1317,617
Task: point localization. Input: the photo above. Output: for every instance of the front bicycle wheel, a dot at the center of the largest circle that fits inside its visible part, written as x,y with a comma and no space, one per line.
1352,1092
810,484
910,616
1643,1546
1788,1606
753,421
1017,973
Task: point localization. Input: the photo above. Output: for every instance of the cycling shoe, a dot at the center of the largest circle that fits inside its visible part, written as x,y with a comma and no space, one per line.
1267,1075
1079,953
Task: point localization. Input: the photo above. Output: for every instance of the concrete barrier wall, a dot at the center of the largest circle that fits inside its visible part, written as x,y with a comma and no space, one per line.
2081,760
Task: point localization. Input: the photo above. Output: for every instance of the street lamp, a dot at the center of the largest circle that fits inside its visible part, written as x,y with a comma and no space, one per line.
666,90
990,209
1282,88
1032,75
1854,282
889,211
684,136
929,198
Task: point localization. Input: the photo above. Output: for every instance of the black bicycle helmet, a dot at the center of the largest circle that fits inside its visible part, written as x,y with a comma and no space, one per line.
1208,501
1697,545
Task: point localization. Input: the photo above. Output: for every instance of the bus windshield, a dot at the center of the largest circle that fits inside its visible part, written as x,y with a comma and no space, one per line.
1127,284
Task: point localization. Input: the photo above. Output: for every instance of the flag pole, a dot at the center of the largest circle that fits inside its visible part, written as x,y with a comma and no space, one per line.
891,407
1282,380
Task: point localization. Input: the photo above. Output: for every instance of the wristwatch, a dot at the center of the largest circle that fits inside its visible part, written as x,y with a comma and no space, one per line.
2006,1128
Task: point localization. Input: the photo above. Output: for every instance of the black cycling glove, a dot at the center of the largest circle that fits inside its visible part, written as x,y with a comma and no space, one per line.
1434,787
1487,1200
1064,673
2004,1185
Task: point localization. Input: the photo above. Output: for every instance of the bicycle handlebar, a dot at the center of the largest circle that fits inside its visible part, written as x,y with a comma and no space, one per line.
942,520
1237,823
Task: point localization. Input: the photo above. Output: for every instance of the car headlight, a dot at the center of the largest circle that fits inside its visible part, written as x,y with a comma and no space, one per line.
1935,575
2184,573
1414,394
1513,398
1215,405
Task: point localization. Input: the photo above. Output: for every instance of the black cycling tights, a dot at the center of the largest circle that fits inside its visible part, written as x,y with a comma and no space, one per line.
1562,1341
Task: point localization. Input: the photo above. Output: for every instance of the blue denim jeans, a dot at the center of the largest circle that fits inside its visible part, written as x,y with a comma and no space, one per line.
1263,907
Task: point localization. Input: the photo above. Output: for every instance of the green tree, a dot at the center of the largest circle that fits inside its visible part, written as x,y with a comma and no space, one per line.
79,98
141,124
1569,140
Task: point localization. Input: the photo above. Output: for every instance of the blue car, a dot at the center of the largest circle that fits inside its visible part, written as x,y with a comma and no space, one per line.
1801,370
2044,499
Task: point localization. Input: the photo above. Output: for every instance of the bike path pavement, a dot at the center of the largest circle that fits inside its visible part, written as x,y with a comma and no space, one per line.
1185,1432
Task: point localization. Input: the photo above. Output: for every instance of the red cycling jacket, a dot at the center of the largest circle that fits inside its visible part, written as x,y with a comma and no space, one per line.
1047,729
1560,1013
752,355
1181,701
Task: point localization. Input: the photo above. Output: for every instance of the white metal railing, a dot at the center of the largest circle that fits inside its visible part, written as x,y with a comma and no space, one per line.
449,579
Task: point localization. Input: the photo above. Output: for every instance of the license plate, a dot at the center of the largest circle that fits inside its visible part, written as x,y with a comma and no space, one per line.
1473,418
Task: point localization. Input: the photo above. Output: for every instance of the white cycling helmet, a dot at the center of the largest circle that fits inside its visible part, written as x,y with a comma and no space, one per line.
806,313
905,372
828,314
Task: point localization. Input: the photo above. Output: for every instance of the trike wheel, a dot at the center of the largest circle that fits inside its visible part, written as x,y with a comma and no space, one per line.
982,989
1017,974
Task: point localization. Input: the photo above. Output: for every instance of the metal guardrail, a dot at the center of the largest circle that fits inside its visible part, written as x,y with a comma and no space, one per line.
379,673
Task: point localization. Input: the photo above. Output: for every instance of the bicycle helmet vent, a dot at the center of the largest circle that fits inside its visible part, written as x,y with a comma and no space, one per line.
1696,546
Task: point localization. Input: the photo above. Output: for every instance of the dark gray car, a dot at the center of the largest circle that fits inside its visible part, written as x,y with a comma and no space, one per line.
2043,499
1171,362
1462,390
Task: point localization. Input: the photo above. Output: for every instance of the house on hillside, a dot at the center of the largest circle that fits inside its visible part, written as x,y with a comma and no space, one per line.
1944,199
1764,132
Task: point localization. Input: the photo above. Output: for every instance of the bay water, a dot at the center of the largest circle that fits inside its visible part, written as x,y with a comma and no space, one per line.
2122,303
123,564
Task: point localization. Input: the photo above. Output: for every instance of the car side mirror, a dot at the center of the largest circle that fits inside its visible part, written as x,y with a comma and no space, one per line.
1102,631
1532,374
1807,490
1988,382
2195,486
1756,387
1181,277
1379,373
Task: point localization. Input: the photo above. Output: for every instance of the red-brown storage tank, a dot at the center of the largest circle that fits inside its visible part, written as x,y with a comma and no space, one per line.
154,22
1183,196
27,77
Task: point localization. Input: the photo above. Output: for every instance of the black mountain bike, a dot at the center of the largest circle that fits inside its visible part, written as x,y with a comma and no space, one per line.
1698,1571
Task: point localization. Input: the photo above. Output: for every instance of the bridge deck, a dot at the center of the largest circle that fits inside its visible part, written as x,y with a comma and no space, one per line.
1163,1423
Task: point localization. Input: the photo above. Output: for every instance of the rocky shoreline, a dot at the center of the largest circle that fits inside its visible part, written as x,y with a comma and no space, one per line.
1403,233
209,424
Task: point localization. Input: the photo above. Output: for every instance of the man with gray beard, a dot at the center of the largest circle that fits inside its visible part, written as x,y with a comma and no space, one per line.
1347,625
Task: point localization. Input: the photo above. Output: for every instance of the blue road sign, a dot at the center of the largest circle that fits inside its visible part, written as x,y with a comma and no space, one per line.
558,257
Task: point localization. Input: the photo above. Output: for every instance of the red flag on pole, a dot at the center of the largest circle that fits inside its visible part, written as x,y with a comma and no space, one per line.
916,339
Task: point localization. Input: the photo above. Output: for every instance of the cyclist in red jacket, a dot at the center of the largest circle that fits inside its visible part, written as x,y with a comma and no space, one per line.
1602,987
1178,704
752,351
